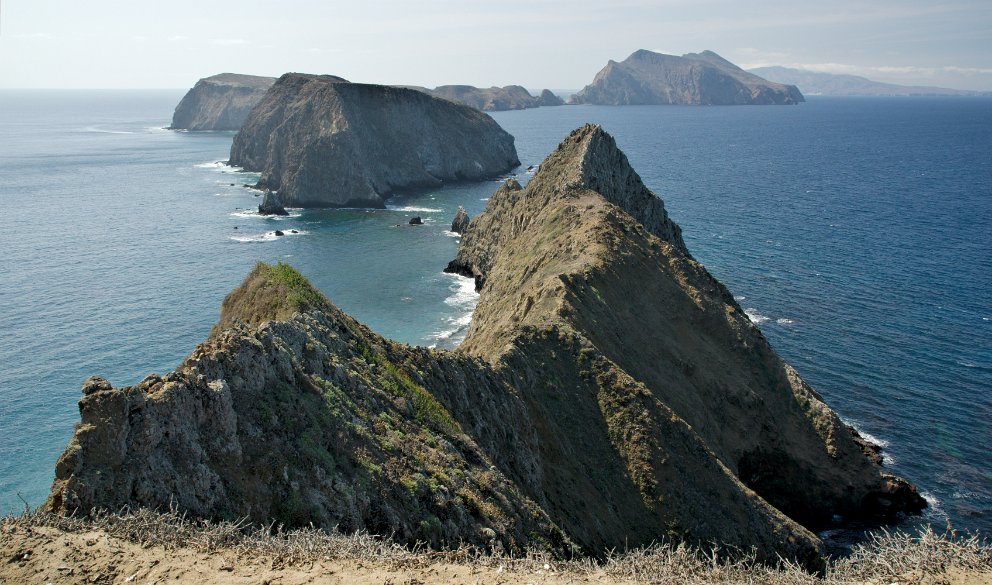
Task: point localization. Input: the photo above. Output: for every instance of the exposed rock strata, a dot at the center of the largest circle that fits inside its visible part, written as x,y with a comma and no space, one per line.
220,102
610,393
321,143
646,78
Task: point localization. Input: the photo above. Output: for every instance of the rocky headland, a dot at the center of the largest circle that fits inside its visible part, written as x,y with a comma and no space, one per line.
322,143
610,394
647,78
220,102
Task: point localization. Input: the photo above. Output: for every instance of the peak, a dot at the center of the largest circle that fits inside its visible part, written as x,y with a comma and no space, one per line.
270,293
589,158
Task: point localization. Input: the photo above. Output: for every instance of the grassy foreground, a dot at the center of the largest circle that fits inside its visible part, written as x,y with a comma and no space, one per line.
149,547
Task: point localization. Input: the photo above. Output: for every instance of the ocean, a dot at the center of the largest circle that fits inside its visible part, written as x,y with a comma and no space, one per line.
856,232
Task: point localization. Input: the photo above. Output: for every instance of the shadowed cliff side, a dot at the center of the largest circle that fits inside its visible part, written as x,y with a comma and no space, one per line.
609,394
322,143
220,102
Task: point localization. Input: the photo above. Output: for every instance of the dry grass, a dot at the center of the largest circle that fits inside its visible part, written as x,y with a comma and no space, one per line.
884,558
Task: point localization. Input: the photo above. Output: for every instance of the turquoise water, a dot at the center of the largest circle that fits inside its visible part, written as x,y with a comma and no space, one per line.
856,232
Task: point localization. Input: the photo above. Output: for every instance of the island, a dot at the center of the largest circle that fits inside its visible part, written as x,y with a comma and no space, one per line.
323,143
610,394
834,84
647,78
492,99
220,102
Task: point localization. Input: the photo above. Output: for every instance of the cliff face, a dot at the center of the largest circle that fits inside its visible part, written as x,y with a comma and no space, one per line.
610,393
646,78
220,102
322,143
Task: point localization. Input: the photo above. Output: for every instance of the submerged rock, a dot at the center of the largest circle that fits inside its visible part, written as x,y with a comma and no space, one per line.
647,78
416,220
610,393
220,102
460,223
322,143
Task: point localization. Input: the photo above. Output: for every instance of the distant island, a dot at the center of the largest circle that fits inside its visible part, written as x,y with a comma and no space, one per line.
817,83
493,99
323,143
647,78
220,102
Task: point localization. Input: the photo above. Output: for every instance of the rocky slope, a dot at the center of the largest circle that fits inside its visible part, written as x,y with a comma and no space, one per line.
610,393
322,143
220,102
818,83
646,78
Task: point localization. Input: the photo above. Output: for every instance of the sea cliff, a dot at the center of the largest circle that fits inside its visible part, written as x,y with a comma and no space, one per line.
322,143
610,393
647,78
220,102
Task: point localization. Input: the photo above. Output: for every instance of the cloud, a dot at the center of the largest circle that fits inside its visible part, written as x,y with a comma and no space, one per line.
36,36
229,42
178,39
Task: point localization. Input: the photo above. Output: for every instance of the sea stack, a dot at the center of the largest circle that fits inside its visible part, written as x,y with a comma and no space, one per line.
271,205
647,78
610,393
323,143
220,102
460,223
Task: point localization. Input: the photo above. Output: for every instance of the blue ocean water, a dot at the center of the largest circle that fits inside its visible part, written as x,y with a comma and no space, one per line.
856,232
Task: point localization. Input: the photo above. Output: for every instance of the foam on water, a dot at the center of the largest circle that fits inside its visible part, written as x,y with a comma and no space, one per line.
254,214
463,299
415,209
268,236
451,234
755,317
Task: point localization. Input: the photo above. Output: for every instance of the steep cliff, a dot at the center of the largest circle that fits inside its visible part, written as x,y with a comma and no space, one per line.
220,102
322,143
646,78
610,393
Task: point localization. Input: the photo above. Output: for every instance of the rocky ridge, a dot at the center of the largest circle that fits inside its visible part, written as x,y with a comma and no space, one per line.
322,143
610,393
220,102
647,78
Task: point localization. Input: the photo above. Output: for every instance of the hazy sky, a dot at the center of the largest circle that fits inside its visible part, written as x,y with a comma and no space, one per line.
537,43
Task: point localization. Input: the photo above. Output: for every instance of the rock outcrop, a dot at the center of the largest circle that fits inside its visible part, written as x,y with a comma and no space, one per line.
271,204
220,102
548,98
610,393
460,223
322,143
646,78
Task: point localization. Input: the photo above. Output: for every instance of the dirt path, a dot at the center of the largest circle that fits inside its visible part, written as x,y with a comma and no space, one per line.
47,555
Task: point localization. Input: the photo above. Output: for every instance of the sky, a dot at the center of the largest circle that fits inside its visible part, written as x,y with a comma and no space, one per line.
537,43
